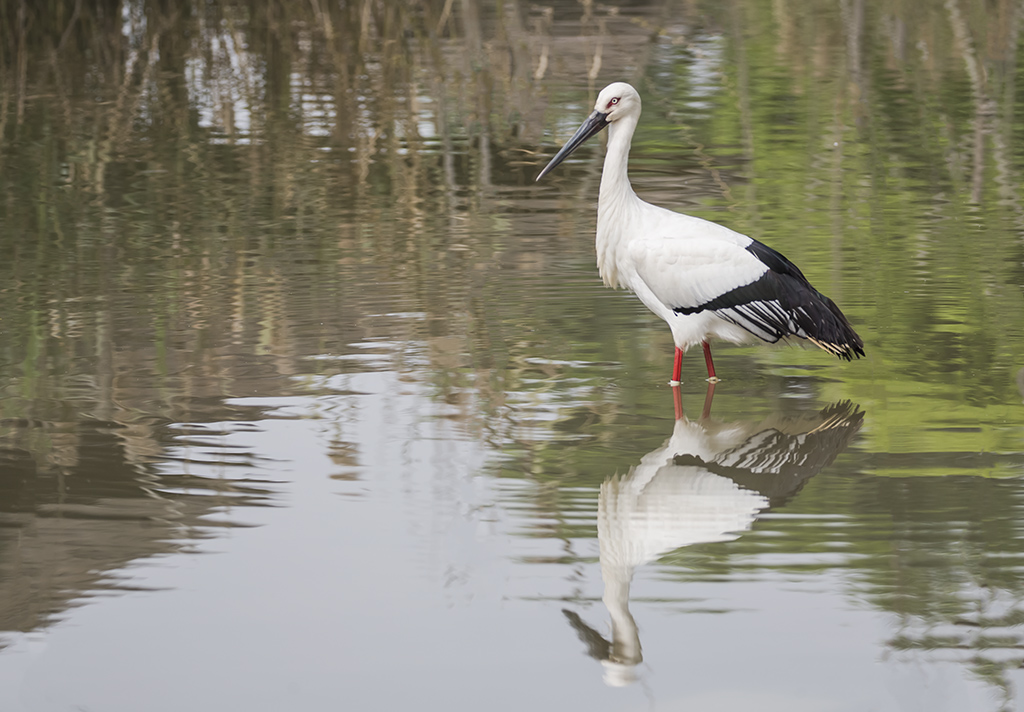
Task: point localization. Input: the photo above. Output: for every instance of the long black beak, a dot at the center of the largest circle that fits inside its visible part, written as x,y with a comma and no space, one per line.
594,123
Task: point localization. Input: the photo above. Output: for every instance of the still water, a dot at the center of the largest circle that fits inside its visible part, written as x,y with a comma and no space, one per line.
310,398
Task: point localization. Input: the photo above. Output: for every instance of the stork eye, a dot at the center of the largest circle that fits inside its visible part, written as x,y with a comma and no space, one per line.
613,102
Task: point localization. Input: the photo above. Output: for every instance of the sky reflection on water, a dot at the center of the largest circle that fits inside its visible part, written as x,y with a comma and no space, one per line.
412,566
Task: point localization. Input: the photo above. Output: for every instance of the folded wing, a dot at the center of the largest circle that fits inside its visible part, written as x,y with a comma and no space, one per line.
752,286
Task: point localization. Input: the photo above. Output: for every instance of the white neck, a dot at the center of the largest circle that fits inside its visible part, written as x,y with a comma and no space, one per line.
614,179
616,198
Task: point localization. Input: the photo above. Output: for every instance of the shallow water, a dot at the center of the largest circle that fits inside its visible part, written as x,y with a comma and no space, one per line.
311,398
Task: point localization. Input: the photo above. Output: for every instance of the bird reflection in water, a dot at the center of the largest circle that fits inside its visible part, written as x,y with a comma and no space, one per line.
707,483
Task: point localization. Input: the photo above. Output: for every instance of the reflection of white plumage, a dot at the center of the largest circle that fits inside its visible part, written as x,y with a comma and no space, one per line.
706,484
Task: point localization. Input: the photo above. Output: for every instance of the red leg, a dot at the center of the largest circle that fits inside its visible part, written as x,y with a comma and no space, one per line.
709,362
677,367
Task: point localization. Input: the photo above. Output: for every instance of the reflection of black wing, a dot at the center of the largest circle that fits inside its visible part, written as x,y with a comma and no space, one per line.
597,647
779,458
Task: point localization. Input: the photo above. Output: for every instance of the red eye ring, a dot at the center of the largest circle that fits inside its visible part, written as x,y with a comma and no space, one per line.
613,102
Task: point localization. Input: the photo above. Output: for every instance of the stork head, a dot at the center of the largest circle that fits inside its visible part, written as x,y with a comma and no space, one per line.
616,101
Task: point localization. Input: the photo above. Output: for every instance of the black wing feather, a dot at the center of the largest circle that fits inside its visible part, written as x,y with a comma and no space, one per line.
782,303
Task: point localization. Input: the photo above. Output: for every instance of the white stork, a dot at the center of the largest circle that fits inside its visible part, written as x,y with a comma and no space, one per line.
704,279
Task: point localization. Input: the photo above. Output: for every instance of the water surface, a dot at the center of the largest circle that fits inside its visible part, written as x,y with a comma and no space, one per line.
311,398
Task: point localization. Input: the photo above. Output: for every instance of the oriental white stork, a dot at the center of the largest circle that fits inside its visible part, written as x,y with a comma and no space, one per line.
702,278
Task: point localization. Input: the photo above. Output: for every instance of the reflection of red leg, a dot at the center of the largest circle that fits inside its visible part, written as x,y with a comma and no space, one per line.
706,413
708,361
677,399
677,367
